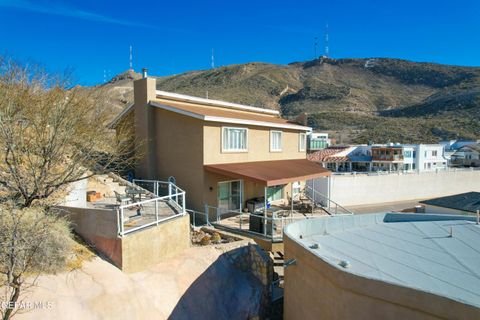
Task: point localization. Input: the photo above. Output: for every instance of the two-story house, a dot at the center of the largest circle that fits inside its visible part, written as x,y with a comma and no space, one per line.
222,154
430,157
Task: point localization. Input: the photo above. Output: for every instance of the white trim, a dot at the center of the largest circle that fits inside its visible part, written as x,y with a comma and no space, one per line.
176,110
281,142
211,102
256,123
230,120
234,150
300,141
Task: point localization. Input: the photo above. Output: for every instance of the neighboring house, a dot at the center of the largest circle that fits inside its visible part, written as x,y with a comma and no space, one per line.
465,204
317,141
467,156
385,157
222,154
429,157
452,146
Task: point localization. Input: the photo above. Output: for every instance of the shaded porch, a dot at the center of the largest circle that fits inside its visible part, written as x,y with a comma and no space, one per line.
258,199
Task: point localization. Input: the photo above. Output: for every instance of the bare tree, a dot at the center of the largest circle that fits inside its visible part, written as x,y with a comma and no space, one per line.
32,242
51,135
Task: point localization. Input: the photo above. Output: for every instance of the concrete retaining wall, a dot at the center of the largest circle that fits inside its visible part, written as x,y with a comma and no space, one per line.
362,189
150,246
135,251
98,227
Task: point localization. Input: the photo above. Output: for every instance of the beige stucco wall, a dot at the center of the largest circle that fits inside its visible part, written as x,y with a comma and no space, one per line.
144,124
150,246
178,152
316,290
258,145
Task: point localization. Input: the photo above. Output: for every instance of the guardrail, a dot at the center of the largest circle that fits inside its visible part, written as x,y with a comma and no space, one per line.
149,212
332,207
269,226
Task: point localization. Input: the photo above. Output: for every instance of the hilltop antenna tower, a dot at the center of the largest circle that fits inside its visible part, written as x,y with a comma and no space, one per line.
104,75
315,47
131,58
327,50
213,59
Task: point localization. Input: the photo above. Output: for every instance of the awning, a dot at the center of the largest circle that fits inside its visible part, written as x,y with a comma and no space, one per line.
271,173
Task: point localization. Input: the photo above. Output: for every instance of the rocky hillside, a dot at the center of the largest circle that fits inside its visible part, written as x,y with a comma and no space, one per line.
356,100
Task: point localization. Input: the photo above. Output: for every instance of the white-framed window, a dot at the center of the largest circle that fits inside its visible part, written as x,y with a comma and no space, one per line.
302,141
434,153
234,139
275,140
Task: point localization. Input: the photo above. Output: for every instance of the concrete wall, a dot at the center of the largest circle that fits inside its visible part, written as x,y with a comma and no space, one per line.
98,227
316,290
76,196
135,251
150,246
363,189
258,145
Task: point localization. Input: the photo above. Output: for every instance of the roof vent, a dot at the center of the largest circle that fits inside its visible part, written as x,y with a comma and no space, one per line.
344,264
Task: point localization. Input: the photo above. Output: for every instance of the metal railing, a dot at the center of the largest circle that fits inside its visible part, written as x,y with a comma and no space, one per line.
267,224
198,218
327,204
153,211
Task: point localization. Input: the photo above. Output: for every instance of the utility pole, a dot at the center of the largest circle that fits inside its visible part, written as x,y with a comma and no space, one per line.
213,60
327,49
131,58
315,44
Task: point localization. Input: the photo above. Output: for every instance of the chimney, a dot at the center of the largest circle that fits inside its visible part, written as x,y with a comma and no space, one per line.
144,73
144,91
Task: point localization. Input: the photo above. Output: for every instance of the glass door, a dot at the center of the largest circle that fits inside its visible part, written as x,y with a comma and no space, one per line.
229,195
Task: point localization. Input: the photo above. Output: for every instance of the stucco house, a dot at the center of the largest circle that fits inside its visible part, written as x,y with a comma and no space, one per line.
222,154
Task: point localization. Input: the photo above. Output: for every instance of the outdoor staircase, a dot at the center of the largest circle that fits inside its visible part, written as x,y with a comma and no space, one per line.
111,184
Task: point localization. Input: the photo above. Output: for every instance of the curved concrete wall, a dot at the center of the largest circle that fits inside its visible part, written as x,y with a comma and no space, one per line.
315,289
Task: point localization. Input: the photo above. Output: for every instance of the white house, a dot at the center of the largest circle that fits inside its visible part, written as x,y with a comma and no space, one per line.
429,157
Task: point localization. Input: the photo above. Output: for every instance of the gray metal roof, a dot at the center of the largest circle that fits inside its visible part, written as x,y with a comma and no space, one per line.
469,201
412,250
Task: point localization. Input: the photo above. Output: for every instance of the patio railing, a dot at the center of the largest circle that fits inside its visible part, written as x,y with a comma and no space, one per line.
321,200
161,207
270,225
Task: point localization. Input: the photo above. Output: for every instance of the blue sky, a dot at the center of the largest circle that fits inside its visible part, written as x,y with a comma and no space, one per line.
171,37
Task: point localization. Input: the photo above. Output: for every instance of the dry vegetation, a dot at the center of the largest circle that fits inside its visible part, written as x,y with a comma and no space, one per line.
50,136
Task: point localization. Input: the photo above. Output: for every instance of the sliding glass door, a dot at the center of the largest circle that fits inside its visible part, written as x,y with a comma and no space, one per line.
229,195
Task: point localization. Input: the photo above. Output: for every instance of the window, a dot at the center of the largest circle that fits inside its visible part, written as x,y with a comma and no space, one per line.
234,139
302,137
275,140
434,153
274,193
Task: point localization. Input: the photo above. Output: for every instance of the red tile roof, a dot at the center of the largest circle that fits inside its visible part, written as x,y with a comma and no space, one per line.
328,154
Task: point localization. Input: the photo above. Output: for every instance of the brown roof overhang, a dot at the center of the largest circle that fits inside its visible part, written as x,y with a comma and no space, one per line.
271,173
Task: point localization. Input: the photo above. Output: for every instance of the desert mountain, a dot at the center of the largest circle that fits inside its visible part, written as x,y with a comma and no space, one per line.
356,100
